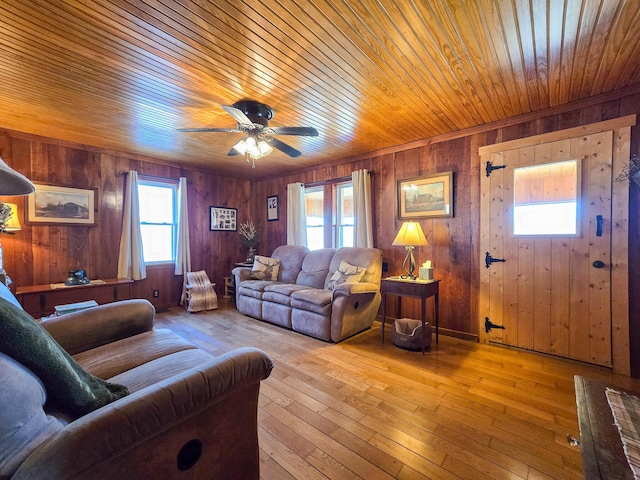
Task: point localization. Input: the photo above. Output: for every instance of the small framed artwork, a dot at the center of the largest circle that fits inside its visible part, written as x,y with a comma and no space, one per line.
58,205
272,208
224,219
430,196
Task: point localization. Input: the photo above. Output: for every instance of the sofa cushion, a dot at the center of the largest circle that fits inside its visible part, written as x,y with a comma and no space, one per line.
291,257
254,288
281,292
68,385
161,368
313,299
315,267
23,423
265,268
346,273
117,357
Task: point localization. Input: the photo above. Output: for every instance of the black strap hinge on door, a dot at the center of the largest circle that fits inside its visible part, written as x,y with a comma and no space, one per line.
488,325
490,168
488,260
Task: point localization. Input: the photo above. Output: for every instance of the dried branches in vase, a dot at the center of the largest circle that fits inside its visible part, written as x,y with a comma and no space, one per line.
250,237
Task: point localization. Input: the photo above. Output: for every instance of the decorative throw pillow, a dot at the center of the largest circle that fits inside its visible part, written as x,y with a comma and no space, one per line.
265,268
346,273
68,385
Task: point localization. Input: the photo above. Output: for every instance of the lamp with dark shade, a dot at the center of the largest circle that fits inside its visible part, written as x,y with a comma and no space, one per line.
14,183
409,237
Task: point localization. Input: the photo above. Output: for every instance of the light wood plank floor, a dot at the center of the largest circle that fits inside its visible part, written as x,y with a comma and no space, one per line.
360,409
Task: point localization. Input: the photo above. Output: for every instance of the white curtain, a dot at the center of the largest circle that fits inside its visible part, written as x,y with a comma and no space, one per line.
183,249
131,258
363,234
296,215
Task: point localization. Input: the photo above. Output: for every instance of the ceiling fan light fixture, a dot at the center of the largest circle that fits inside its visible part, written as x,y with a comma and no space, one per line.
250,143
252,119
240,147
265,148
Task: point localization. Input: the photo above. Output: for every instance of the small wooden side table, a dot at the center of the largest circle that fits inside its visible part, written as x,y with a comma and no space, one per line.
404,287
40,300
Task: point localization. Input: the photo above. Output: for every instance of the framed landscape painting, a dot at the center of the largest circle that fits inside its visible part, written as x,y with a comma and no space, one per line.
58,205
430,196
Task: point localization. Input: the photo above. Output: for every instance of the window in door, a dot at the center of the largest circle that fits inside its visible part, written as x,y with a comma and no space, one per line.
158,220
546,199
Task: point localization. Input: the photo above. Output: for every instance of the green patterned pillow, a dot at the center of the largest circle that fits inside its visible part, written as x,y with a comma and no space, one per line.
68,385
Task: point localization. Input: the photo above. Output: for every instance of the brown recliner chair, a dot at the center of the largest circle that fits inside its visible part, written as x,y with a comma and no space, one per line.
189,414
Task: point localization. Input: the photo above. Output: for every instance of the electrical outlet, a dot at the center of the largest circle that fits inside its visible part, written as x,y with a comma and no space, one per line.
385,267
156,293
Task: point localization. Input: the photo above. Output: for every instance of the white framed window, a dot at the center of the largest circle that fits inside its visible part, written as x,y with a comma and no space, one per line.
344,215
314,200
158,220
330,206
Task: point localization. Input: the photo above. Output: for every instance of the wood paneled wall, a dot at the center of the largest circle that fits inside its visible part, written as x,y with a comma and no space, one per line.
453,242
44,254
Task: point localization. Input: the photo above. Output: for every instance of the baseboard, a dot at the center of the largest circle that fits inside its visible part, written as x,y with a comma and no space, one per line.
457,334
441,331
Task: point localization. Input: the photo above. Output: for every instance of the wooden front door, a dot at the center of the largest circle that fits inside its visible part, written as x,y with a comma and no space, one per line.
552,292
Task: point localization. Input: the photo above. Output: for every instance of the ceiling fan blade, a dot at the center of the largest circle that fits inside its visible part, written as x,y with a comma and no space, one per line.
301,131
205,129
239,116
233,152
283,147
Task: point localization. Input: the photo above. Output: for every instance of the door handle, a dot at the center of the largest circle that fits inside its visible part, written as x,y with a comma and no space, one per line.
598,225
598,264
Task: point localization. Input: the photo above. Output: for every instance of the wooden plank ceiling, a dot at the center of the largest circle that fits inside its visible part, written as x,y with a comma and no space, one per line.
368,74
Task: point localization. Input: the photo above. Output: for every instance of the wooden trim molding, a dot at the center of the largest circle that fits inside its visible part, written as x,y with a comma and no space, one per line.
620,343
590,129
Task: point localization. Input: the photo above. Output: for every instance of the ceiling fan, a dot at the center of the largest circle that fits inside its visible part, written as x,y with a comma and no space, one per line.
253,120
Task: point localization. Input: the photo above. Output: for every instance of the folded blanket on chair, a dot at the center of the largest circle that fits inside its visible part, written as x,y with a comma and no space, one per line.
68,385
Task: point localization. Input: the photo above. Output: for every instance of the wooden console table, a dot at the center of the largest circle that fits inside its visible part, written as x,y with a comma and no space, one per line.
602,452
410,288
40,300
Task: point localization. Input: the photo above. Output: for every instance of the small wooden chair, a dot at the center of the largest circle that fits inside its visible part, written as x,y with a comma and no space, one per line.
199,293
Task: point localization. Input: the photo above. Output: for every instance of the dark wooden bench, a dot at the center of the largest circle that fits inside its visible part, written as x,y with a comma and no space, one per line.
602,453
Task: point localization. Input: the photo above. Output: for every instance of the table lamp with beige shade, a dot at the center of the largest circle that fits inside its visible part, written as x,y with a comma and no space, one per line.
410,236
